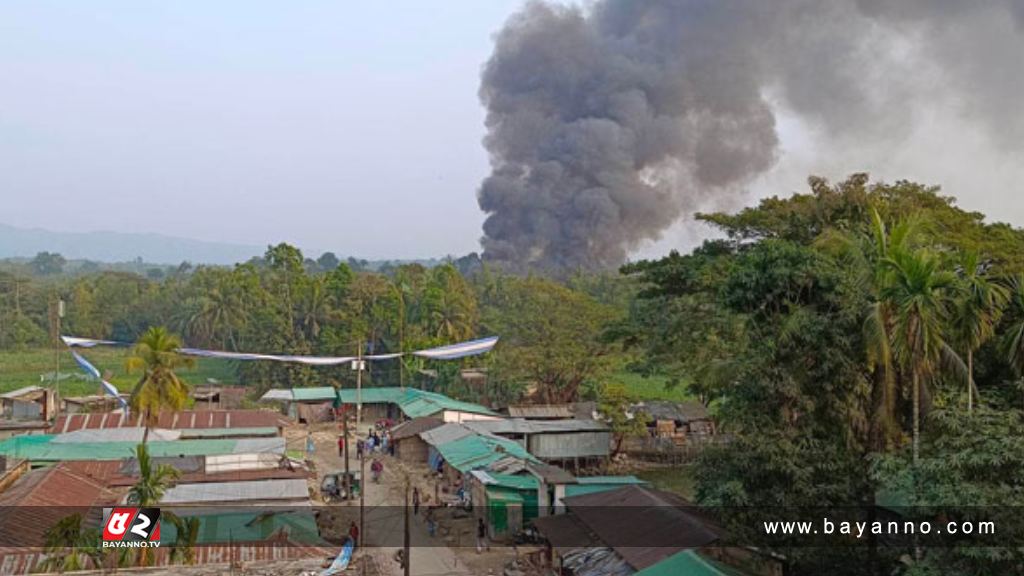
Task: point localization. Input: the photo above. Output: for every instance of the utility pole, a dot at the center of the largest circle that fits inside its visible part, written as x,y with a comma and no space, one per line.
344,427
358,365
58,314
405,556
362,498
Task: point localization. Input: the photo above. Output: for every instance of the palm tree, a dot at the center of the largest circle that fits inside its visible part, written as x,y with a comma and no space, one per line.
150,489
156,354
976,313
187,530
153,482
1013,340
69,546
918,292
867,252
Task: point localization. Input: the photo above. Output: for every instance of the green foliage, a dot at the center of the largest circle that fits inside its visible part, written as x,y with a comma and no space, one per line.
549,334
613,404
969,467
152,482
71,546
156,356
187,535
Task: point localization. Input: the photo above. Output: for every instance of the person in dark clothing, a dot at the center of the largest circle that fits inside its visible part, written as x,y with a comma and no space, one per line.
481,536
353,533
415,501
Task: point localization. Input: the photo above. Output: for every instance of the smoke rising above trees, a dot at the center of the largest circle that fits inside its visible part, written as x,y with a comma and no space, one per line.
607,124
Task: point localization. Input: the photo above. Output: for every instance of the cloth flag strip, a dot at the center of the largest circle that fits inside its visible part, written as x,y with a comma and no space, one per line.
460,350
450,352
95,373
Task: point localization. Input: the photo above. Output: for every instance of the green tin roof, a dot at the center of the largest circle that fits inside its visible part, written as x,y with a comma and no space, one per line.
249,527
594,484
690,563
414,403
40,448
477,451
226,432
526,483
619,480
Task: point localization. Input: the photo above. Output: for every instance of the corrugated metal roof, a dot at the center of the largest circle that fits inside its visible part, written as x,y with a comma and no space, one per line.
172,420
688,411
414,427
644,526
298,525
115,435
691,563
619,480
593,484
445,433
278,395
251,432
41,498
413,403
521,426
15,394
262,490
564,532
550,474
477,451
541,411
506,480
40,448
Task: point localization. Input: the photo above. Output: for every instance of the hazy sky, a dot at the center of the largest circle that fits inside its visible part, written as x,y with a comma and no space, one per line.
348,126
351,126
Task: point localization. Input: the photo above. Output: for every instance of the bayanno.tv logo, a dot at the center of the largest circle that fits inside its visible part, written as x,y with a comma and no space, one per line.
131,527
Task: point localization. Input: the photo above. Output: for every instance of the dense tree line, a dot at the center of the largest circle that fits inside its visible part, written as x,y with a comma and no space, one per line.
859,340
287,303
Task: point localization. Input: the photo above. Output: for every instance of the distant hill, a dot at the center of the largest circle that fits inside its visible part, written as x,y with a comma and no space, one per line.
120,247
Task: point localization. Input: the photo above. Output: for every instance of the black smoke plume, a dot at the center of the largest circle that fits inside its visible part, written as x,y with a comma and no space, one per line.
608,123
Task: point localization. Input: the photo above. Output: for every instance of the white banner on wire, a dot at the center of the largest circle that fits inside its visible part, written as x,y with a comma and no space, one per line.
95,373
450,352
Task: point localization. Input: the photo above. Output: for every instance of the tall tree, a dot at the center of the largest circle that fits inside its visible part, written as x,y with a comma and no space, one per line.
919,292
149,489
156,355
1012,344
978,307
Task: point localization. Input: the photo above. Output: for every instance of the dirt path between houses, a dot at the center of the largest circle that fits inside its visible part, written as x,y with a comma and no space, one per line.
451,551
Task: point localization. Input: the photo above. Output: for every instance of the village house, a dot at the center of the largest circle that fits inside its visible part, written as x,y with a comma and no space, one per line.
570,443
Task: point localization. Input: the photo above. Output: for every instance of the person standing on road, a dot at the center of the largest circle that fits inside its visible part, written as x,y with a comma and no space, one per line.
353,533
415,501
310,446
481,536
341,446
431,523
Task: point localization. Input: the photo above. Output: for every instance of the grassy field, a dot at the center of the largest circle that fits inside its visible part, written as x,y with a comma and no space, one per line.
650,388
678,480
18,369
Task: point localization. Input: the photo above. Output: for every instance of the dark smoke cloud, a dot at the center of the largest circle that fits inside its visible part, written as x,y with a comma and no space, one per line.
606,124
